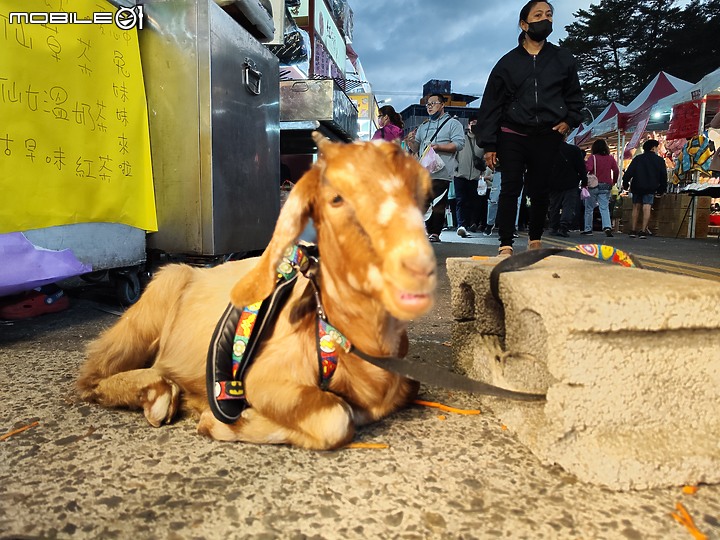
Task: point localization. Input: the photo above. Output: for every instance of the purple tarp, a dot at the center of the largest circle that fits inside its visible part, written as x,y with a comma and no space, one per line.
24,266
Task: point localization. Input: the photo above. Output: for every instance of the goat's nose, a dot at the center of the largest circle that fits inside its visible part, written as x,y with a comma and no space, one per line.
420,266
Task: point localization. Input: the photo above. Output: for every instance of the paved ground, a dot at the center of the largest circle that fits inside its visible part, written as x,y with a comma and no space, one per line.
87,472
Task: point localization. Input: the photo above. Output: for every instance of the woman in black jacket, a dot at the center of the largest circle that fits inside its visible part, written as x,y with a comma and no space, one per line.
532,100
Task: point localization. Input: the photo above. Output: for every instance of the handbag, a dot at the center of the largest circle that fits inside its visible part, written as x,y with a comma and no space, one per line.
593,180
429,158
584,194
431,161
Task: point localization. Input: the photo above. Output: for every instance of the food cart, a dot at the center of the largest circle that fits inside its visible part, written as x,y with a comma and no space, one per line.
162,136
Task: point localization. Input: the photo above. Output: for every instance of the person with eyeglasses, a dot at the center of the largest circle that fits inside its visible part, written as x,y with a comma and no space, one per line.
391,125
446,136
531,101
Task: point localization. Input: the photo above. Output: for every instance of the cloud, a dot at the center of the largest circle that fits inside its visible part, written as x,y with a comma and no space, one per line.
404,44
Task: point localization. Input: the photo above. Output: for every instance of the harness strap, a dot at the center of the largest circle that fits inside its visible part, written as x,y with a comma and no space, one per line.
237,335
328,337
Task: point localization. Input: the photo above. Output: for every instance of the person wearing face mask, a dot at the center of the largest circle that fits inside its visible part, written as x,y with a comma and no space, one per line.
531,101
391,125
446,136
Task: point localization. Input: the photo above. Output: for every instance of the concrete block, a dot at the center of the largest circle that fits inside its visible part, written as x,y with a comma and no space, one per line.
629,359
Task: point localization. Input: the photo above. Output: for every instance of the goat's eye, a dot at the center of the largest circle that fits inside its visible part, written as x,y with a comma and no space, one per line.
336,201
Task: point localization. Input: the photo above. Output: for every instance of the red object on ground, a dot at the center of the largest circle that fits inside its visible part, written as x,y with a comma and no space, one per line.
32,304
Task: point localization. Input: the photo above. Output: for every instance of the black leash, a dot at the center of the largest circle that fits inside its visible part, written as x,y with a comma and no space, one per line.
226,390
436,376
527,258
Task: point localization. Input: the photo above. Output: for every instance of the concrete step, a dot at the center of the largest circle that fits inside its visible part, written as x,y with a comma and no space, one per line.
629,358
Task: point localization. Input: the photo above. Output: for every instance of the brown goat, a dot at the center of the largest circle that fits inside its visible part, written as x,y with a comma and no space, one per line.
377,272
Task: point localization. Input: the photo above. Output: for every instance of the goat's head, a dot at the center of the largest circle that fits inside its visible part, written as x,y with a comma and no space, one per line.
367,202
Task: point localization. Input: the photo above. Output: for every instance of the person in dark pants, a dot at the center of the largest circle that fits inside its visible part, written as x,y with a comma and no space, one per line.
531,101
469,203
445,135
567,175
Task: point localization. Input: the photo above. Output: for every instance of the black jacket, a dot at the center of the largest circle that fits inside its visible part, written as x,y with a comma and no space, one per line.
569,168
530,94
646,174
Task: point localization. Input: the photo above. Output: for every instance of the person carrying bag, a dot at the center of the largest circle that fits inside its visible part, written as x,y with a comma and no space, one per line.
445,136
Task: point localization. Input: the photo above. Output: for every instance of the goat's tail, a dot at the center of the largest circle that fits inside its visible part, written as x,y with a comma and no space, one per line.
133,341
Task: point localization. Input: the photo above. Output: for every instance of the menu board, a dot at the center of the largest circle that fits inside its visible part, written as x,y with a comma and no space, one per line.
74,140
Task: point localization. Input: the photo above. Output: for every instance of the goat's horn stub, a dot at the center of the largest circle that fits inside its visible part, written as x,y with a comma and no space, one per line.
319,139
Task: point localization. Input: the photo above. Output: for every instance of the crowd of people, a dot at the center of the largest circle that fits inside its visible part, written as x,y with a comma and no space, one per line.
511,167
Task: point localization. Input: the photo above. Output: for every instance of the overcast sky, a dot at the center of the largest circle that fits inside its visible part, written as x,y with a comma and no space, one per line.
403,44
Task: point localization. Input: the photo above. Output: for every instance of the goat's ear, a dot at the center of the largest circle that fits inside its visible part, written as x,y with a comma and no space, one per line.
320,141
258,284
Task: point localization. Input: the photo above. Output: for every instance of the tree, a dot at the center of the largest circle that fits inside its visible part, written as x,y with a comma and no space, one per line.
622,44
601,42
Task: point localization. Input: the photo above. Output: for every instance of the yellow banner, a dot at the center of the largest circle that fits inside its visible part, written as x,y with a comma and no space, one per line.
74,140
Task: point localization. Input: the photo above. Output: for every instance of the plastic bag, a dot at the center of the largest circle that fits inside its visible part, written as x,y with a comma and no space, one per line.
584,193
431,161
434,202
482,187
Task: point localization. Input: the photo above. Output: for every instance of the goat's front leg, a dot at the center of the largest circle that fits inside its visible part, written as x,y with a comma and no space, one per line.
146,389
307,417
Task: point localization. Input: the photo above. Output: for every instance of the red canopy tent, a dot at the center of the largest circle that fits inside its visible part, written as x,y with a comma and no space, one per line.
661,86
583,133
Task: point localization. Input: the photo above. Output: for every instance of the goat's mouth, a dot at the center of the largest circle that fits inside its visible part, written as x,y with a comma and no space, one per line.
412,304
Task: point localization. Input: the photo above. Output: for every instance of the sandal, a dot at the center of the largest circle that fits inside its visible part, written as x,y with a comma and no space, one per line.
434,238
34,303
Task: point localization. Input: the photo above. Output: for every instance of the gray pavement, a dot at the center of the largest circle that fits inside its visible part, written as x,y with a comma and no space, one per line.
88,472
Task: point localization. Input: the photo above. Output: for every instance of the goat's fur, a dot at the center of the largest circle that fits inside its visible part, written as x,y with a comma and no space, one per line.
377,272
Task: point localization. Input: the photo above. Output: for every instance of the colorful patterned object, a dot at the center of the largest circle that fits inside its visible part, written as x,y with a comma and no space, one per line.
328,338
606,253
242,334
295,259
696,156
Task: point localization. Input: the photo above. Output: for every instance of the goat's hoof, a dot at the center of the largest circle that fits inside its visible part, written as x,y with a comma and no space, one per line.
160,402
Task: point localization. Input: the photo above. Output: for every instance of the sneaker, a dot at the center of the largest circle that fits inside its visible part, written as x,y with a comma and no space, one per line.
516,235
648,232
535,244
488,230
434,238
586,233
462,232
563,233
505,251
641,235
608,232
632,234
473,228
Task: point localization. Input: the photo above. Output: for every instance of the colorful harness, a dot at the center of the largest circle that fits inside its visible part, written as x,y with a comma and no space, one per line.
239,332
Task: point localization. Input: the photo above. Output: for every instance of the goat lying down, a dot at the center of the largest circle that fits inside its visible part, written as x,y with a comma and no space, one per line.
377,272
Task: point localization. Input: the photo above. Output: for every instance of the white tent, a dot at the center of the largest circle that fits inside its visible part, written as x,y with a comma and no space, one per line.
582,133
616,117
709,84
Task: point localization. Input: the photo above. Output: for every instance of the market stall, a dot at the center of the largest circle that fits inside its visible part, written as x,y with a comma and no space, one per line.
677,213
75,168
156,126
694,144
